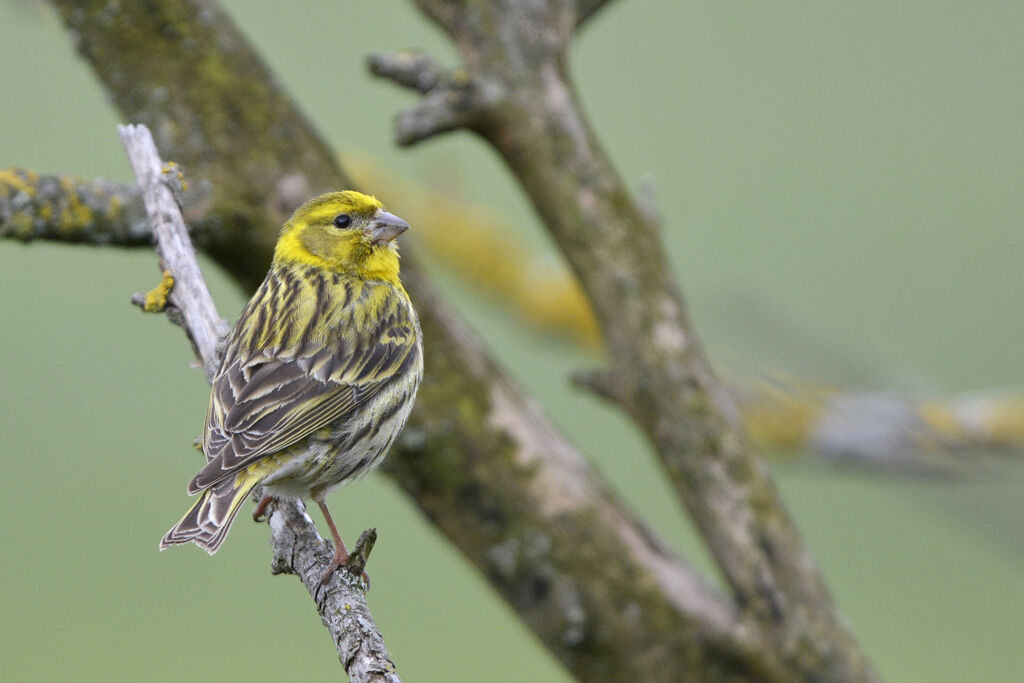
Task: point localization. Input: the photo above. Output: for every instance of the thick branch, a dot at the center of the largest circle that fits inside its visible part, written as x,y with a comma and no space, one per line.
298,548
658,368
586,9
526,508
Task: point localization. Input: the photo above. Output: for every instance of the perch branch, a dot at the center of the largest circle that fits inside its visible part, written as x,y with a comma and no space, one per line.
297,546
663,378
341,604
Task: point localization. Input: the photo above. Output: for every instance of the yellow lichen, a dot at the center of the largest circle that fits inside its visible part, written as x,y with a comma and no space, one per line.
941,420
74,214
15,179
114,208
1005,423
156,298
177,175
20,226
782,418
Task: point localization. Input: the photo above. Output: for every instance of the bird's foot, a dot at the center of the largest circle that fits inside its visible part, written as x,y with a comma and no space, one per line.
340,560
261,507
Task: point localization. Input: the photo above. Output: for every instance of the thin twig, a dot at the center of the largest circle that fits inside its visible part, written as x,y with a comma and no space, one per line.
190,294
297,545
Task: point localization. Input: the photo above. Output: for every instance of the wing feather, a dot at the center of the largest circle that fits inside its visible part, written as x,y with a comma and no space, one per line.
266,399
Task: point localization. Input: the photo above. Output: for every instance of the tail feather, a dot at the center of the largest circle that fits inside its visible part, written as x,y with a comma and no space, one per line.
208,520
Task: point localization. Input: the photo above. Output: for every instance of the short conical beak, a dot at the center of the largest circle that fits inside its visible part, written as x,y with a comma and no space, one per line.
384,227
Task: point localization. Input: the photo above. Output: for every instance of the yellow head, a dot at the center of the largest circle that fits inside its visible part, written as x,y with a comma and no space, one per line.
347,232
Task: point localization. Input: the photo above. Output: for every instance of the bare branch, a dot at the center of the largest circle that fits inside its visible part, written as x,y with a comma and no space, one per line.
189,295
413,69
298,547
451,100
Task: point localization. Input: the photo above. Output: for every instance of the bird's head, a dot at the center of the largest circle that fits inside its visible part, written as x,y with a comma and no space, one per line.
343,231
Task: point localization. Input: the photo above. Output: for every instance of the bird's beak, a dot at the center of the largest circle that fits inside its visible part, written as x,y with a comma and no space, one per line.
384,227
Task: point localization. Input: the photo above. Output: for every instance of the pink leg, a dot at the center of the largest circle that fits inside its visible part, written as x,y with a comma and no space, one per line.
340,552
257,514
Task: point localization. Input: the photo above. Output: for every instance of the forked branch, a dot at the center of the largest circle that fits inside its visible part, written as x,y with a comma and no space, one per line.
657,370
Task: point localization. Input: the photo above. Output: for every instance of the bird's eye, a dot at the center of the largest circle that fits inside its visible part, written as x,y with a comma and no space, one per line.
343,220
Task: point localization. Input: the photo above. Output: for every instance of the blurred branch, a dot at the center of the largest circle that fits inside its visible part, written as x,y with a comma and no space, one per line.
493,474
69,209
884,431
298,547
585,9
523,103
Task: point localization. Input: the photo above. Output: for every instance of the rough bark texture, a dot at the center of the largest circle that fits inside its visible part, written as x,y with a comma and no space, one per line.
598,590
298,547
513,89
68,209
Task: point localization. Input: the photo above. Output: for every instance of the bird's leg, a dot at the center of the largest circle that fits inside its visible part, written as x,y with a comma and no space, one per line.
340,551
257,514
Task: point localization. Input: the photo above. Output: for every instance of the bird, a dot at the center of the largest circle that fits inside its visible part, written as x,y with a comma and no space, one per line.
319,373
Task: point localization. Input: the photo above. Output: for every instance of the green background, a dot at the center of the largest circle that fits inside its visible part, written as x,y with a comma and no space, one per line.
842,186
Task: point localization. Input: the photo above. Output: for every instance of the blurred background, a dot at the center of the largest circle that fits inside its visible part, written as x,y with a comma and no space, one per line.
842,190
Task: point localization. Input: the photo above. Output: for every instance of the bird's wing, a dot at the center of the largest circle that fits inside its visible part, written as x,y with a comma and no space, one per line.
267,401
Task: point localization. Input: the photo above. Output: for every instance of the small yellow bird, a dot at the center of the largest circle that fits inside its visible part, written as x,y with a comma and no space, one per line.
319,373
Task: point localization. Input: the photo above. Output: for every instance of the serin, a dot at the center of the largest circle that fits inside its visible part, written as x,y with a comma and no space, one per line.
319,373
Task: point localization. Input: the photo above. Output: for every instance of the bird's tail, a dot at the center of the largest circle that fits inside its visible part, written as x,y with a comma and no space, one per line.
208,520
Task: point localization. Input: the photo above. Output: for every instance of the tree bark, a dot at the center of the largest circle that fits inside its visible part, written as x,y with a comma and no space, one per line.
513,89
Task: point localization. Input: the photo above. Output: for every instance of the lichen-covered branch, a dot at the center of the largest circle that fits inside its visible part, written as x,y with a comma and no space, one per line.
508,490
298,547
657,370
69,209
885,431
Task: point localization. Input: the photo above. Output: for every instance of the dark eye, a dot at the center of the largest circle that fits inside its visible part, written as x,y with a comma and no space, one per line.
343,220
